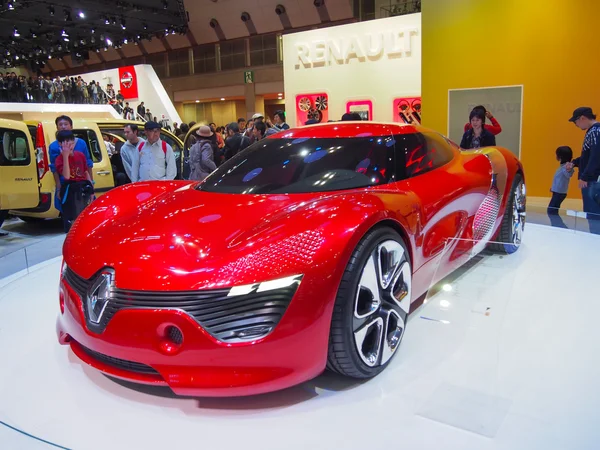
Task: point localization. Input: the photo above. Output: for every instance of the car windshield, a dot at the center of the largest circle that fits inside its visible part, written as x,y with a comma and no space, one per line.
277,166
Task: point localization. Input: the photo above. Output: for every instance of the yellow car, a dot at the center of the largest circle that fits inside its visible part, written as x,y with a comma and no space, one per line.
41,183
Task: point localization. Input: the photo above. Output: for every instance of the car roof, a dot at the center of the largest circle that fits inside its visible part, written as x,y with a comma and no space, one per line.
347,129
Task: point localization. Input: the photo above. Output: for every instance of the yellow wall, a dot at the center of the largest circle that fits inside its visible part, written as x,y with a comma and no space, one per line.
548,47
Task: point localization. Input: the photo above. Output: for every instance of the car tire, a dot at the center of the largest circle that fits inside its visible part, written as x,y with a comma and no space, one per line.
371,306
511,229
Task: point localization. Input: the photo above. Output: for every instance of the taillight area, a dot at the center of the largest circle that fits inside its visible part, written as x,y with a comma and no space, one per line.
41,152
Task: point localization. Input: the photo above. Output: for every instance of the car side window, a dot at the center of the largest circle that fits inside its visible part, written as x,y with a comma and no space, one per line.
439,150
91,139
423,152
14,148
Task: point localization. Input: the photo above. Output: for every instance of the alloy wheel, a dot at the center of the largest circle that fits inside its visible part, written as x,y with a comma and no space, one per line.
382,303
519,214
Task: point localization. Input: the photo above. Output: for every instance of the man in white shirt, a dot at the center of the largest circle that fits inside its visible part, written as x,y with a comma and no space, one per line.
130,154
157,160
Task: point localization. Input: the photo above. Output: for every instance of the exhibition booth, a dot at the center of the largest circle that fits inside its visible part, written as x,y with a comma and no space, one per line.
372,68
497,355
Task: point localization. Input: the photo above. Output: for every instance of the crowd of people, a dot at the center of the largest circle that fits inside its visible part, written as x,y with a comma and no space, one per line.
40,89
45,89
153,159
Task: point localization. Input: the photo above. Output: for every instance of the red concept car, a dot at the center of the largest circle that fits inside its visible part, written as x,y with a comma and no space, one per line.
302,252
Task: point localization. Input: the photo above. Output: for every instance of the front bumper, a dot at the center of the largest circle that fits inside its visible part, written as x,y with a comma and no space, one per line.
135,346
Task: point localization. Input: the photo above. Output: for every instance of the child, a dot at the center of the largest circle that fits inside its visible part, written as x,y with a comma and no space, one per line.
77,191
560,183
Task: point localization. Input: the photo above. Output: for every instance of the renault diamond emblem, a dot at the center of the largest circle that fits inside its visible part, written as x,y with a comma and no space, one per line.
99,296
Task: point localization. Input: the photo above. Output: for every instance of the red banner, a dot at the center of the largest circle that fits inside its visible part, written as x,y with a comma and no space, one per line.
128,82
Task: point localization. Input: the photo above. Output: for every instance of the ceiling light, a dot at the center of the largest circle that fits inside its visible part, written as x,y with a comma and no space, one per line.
81,15
17,57
68,16
106,21
108,42
165,4
10,5
222,99
145,26
51,10
93,30
197,101
64,34
16,33
123,24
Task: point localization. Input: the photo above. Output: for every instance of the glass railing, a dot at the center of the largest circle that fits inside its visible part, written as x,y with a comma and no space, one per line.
568,219
20,261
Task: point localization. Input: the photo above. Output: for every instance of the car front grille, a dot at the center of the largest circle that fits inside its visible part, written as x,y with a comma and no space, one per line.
117,363
227,318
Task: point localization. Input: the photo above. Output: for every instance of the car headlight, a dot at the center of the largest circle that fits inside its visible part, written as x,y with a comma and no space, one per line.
279,283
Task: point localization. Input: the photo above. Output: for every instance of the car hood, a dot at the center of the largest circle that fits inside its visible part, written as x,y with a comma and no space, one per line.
189,239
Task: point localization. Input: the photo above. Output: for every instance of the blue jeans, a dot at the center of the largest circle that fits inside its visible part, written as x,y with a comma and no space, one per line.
591,205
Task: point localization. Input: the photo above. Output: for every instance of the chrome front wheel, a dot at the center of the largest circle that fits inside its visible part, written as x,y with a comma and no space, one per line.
369,328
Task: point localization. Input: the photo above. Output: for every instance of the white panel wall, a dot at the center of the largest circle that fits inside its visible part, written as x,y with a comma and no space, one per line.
150,90
377,60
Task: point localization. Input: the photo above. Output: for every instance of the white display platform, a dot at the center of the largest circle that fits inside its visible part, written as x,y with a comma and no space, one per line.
512,364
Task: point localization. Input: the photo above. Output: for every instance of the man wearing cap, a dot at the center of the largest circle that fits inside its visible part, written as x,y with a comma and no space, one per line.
589,161
157,160
256,118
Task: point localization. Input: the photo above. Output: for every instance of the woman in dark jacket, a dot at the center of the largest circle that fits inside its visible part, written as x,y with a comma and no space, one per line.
477,136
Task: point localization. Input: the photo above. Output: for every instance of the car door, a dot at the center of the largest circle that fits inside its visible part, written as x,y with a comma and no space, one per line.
19,186
433,175
103,173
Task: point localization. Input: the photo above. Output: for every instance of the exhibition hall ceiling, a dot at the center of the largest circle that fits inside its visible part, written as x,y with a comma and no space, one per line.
34,32
230,19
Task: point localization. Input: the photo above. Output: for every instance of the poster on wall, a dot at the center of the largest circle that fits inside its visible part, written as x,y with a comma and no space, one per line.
312,106
128,84
505,105
407,110
364,108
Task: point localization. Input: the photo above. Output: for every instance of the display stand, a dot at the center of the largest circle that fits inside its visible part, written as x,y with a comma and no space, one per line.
466,313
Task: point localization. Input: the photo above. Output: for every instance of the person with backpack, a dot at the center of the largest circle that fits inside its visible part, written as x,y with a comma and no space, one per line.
202,155
76,191
157,160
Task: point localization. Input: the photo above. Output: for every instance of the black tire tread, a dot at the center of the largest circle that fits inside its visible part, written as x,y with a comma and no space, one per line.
505,232
339,359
